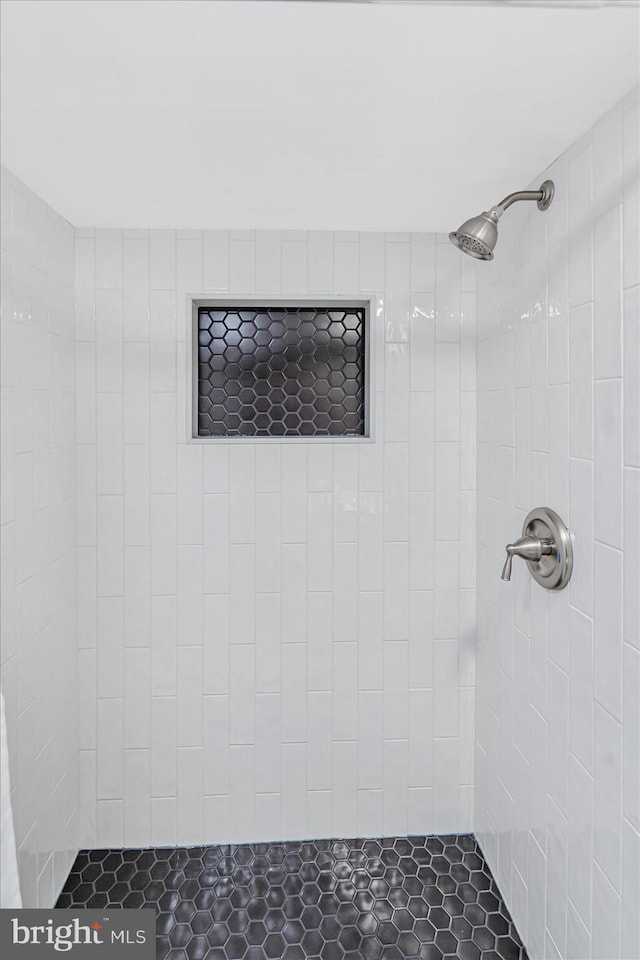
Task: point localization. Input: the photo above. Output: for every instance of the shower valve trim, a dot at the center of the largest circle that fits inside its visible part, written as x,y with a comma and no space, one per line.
546,546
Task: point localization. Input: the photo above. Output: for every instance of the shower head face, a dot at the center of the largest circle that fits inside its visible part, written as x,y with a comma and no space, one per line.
477,237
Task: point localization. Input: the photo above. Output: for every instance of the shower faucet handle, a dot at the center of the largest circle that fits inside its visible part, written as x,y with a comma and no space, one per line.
546,546
529,548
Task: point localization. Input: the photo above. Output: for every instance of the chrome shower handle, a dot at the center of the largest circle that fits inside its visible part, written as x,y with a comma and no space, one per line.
529,548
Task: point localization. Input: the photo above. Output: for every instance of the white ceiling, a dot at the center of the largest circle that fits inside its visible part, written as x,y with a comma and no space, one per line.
300,115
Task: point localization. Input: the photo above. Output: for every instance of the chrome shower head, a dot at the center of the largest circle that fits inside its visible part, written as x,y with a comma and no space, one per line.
478,236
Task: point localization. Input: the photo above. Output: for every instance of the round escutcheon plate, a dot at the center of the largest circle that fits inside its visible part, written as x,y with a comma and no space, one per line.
552,572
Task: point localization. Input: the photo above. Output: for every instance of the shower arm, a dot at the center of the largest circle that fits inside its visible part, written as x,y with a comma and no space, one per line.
520,195
543,197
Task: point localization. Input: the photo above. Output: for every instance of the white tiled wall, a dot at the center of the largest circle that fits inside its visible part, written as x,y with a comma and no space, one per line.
278,639
557,761
280,634
38,562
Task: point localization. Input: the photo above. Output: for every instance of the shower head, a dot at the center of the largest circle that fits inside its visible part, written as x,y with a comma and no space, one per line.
478,236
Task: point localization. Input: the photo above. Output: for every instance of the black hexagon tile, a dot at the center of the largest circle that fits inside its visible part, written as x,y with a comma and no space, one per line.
425,898
281,371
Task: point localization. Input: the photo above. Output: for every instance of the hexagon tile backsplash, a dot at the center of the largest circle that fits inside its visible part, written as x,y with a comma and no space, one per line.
426,898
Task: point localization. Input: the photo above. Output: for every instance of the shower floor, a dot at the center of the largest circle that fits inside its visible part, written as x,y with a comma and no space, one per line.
426,898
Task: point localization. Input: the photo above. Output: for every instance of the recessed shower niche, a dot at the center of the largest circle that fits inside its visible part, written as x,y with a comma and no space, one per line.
280,369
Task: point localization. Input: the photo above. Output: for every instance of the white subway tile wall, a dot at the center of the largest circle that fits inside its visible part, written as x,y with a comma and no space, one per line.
228,641
39,650
557,809
268,621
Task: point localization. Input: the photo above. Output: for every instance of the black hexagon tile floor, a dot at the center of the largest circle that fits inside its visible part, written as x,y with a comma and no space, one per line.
427,898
